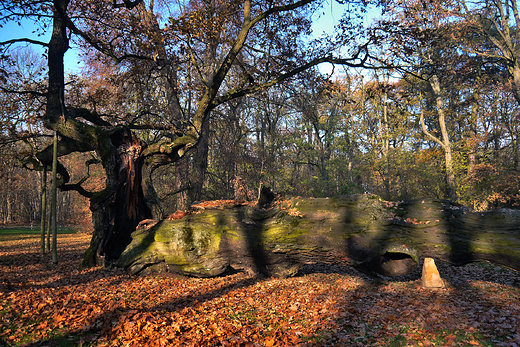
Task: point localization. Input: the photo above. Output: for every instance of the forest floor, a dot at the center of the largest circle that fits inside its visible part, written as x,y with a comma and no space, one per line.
46,305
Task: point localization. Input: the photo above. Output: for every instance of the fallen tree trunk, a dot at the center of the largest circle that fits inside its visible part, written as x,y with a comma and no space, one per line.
360,230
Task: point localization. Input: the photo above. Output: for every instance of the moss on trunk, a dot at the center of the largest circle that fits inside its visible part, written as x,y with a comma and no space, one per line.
361,230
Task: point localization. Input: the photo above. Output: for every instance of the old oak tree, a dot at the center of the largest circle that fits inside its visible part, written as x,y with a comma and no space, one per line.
200,56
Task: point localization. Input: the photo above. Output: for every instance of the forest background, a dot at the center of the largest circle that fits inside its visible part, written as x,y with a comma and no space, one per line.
433,111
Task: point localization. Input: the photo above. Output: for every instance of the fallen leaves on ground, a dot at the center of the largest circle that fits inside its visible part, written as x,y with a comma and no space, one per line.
46,305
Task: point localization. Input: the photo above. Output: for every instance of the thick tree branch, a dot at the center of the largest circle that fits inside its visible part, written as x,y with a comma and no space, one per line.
427,133
65,146
174,149
94,118
85,134
77,188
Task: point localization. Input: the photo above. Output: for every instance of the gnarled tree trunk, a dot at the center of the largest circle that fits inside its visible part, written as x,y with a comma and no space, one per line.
122,204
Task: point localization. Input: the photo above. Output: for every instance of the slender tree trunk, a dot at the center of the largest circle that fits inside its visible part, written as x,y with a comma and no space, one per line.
9,200
385,142
472,155
310,141
325,177
445,141
49,230
516,155
450,176
43,209
324,157
181,179
53,200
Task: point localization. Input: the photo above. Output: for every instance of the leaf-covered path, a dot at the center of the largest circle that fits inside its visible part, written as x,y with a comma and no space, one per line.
44,305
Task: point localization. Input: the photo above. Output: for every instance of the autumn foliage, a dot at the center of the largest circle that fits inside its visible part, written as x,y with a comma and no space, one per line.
41,304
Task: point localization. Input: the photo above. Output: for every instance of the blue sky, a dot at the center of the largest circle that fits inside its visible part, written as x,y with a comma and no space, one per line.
332,13
12,30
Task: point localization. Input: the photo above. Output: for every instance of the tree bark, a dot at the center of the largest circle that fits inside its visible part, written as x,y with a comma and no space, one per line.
361,230
515,73
122,204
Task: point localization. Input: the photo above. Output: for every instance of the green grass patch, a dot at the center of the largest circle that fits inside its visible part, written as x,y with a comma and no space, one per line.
398,341
55,338
16,233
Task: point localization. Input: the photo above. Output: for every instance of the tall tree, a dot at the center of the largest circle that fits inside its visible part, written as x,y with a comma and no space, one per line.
418,37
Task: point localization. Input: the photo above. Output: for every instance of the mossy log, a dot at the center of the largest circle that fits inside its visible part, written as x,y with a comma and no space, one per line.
360,230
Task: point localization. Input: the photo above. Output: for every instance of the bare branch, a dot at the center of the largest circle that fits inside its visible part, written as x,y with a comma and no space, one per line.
354,61
207,102
34,42
77,186
22,92
10,140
